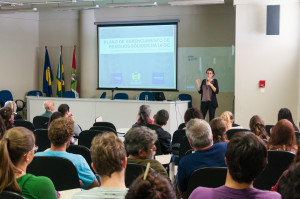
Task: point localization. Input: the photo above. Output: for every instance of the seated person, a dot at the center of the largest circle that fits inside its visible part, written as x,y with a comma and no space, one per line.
227,116
13,107
49,107
164,138
7,116
218,128
153,185
246,158
289,183
65,110
2,128
191,113
206,154
60,133
257,126
140,147
109,161
17,149
144,116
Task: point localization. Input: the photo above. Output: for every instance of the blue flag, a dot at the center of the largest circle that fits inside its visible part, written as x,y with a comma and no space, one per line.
47,77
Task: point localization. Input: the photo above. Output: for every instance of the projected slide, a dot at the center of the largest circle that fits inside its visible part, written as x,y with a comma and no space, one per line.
137,56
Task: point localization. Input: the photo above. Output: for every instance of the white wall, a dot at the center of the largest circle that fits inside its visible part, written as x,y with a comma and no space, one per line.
273,58
19,38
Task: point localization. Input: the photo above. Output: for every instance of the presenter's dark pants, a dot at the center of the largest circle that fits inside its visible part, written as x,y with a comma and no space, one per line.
207,106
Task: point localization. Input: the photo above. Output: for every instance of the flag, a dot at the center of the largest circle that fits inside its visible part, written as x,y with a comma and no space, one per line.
60,77
47,77
74,82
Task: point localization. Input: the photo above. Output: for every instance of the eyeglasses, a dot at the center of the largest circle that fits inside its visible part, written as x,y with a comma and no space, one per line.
209,73
35,149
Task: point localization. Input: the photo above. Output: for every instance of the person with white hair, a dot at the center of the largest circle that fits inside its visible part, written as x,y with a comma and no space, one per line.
50,107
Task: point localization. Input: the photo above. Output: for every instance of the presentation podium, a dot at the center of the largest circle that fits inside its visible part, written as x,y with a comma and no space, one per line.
122,113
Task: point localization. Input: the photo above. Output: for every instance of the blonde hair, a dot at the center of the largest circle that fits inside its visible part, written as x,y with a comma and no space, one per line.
11,104
227,116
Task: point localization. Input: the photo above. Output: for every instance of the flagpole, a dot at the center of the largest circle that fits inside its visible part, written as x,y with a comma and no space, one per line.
61,91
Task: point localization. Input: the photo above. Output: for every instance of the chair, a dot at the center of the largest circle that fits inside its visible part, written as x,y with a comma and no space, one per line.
10,195
107,124
68,94
123,96
60,170
103,95
81,150
268,129
40,122
5,95
186,97
278,162
35,93
24,123
184,147
158,148
86,137
132,172
178,135
181,126
41,139
211,177
149,94
231,132
103,128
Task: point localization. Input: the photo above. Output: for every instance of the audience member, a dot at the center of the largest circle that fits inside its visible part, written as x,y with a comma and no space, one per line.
155,186
144,116
283,137
289,184
206,154
246,157
2,127
54,116
218,128
285,113
257,126
139,143
164,138
7,116
227,116
109,161
65,110
13,107
191,113
60,133
16,153
49,107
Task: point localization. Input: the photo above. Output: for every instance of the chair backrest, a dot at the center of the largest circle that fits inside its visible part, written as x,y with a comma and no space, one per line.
103,128
35,93
178,135
10,195
278,162
158,148
68,94
123,96
149,94
60,170
107,124
132,172
184,147
268,129
103,95
40,122
186,97
81,150
211,177
86,137
181,126
24,123
231,132
5,95
41,139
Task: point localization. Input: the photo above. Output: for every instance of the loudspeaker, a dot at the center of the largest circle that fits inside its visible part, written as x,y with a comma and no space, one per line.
273,18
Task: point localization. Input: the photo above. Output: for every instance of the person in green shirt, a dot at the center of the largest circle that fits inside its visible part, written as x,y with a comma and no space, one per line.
50,107
17,149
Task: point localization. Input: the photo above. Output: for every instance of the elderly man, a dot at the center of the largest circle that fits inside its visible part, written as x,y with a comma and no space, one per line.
246,157
60,133
140,146
206,154
109,161
49,106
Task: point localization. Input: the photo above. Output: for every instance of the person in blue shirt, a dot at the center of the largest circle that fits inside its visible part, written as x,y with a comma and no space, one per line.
60,133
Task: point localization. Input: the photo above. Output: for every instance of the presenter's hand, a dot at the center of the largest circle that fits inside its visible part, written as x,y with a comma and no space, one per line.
198,81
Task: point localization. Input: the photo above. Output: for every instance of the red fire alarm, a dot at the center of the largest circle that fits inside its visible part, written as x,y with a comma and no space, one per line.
262,83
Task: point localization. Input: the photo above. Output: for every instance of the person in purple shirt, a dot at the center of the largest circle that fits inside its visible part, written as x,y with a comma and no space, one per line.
246,157
206,154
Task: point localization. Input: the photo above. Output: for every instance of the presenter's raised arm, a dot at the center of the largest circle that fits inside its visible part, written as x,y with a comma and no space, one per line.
198,81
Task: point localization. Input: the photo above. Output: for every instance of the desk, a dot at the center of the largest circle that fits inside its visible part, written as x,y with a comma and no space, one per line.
122,113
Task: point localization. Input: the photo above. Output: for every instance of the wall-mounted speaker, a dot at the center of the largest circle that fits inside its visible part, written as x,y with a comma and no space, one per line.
273,19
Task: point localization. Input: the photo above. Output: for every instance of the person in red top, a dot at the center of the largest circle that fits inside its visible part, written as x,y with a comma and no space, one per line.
144,116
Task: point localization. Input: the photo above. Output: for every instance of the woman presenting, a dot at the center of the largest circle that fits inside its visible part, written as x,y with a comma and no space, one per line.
208,90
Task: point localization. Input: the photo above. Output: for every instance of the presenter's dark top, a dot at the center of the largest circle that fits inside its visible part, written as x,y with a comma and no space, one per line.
213,97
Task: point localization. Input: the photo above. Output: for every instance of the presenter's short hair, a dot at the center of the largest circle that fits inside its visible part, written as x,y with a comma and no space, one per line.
139,138
60,131
246,157
108,154
199,133
211,69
